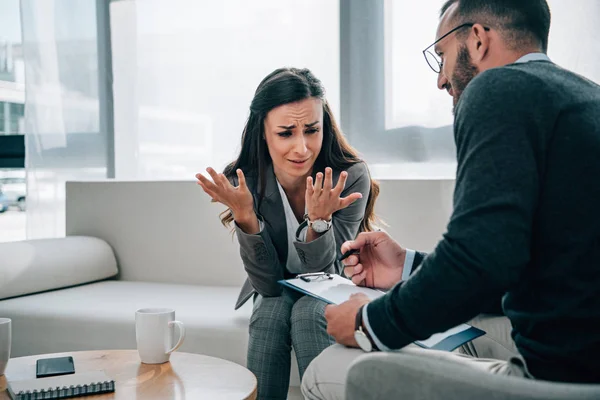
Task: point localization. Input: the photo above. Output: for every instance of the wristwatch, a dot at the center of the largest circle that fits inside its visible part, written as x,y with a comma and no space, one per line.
361,335
318,225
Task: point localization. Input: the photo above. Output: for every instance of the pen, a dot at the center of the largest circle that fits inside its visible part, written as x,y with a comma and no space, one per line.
348,254
307,277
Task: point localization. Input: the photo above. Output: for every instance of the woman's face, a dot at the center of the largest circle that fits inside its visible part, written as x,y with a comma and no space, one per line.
294,136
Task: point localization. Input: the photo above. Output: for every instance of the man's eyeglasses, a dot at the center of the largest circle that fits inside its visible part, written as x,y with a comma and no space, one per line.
434,61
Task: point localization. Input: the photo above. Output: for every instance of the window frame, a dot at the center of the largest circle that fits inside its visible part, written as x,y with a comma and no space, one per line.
363,97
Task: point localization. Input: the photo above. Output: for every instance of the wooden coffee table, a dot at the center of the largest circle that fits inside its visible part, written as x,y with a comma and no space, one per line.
186,376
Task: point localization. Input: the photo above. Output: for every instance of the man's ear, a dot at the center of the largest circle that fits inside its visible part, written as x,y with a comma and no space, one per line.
478,43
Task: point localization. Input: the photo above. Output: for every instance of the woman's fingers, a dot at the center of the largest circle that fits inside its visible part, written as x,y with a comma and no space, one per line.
319,183
328,184
241,179
310,190
213,174
205,182
218,189
346,201
341,183
208,191
224,182
326,198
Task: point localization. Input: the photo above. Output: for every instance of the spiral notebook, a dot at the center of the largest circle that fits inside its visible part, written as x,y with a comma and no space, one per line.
61,387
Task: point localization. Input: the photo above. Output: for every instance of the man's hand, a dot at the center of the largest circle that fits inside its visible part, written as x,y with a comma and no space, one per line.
341,319
378,264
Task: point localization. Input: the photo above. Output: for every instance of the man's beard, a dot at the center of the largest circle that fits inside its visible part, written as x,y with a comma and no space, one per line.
464,72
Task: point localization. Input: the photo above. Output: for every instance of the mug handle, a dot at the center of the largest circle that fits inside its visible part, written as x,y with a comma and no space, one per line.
181,335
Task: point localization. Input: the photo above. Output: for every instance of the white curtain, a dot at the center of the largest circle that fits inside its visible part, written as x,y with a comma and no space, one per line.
63,141
185,72
415,106
412,96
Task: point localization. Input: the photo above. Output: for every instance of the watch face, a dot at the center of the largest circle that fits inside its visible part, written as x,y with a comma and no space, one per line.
319,226
363,341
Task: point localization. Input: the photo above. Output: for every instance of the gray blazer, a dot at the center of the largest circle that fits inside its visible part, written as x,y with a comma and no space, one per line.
265,254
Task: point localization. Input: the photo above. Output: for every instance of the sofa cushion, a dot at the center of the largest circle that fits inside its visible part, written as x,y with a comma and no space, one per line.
34,266
101,316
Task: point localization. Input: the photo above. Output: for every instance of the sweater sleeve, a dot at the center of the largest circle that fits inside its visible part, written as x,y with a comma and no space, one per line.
487,243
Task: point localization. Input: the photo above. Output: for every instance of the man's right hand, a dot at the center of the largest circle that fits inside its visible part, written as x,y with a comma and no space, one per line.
378,264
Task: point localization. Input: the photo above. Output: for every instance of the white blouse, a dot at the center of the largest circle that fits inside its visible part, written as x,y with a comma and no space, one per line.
293,264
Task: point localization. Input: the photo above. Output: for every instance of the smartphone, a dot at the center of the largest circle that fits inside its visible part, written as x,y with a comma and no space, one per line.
54,366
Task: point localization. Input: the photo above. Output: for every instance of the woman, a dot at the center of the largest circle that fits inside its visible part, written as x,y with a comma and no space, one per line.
296,192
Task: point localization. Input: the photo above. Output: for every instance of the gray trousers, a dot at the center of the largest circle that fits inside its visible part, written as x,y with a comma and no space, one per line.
494,353
277,324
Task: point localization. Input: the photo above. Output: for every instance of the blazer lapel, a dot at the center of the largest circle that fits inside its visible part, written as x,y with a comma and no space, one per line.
271,209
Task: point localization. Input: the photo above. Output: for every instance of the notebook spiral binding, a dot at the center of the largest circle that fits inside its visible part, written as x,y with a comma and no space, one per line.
67,392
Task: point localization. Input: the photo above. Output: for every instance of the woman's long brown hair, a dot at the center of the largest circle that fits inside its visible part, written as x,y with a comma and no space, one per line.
284,86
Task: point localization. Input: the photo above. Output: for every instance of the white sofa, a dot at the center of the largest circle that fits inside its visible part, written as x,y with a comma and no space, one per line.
158,244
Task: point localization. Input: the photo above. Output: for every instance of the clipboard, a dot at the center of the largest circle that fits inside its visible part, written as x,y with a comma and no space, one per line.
331,288
334,289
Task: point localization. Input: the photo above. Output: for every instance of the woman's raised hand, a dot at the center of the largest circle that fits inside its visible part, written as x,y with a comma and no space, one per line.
322,199
237,198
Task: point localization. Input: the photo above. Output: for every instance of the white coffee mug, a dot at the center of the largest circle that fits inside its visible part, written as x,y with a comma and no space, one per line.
154,333
5,343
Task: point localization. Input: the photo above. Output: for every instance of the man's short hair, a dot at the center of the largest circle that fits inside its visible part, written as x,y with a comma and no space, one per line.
520,22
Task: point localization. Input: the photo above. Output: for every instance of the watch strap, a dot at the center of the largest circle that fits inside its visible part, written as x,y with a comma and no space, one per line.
359,326
358,319
309,223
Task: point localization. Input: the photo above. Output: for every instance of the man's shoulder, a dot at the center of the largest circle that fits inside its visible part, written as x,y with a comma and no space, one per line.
507,80
503,88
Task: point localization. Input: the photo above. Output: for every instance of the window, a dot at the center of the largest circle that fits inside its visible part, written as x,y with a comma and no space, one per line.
16,114
413,137
183,75
11,118
185,72
412,97
12,99
66,135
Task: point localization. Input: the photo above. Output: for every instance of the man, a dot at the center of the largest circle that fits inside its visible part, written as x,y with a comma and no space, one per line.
526,218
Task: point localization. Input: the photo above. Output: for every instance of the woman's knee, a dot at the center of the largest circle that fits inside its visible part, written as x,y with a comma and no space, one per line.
271,313
308,310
